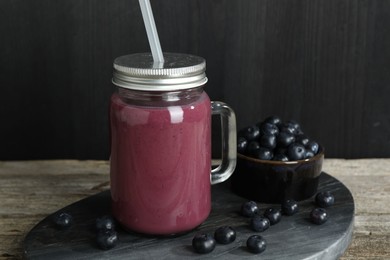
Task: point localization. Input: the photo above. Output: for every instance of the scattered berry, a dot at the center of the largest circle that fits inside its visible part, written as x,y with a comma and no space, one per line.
63,220
318,216
203,243
107,239
259,223
249,209
256,244
324,199
105,223
274,215
225,235
290,207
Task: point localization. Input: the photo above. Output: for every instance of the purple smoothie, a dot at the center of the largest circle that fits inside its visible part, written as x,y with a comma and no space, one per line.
160,165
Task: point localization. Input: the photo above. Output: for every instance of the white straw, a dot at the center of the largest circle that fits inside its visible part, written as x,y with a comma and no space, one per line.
151,31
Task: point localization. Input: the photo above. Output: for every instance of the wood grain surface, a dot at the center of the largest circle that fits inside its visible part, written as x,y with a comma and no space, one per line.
31,190
322,63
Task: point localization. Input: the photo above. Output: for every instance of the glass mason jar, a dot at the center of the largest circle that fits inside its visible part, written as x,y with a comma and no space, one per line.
160,127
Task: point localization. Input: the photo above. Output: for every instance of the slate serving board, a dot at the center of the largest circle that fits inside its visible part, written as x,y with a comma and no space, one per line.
295,237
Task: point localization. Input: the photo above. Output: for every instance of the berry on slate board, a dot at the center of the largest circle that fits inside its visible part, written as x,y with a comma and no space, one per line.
274,215
203,243
256,244
63,220
105,223
324,199
289,207
318,216
107,239
259,223
249,209
273,139
225,235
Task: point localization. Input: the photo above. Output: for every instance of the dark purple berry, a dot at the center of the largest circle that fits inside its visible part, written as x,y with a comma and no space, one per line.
105,223
324,199
107,239
63,220
256,244
294,124
284,139
242,143
280,157
290,207
269,129
252,148
313,146
250,133
302,139
268,141
259,223
318,216
203,243
249,209
296,152
274,215
308,154
287,128
263,154
275,120
225,235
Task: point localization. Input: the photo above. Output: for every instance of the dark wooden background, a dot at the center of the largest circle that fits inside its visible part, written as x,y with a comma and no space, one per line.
323,63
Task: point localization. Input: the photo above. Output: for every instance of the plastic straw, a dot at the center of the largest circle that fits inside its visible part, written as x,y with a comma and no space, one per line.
151,31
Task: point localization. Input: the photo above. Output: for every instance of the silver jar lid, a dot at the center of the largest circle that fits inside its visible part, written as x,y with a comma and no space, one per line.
178,71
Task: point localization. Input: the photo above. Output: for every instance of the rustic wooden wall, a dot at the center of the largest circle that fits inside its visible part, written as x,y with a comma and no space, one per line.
323,63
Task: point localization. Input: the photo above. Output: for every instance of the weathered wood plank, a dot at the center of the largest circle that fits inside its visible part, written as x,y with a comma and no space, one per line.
31,190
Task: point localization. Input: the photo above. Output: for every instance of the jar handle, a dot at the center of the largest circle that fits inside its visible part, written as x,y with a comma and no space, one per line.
229,142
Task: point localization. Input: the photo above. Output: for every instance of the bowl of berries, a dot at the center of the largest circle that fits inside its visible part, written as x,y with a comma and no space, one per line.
276,161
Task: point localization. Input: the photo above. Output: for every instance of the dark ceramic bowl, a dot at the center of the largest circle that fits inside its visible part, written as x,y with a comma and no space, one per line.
275,181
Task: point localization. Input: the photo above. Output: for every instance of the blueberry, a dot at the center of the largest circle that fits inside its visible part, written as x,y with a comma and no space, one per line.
302,139
203,243
269,129
313,146
249,209
318,216
288,128
324,199
263,154
256,244
63,220
308,154
274,215
284,139
280,157
268,141
107,239
294,124
225,235
259,223
275,120
289,207
242,143
250,133
296,152
252,148
105,223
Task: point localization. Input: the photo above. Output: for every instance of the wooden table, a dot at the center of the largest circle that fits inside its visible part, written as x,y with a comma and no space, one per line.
31,190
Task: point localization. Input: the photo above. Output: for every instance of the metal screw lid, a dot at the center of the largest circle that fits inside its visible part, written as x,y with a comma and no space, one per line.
178,71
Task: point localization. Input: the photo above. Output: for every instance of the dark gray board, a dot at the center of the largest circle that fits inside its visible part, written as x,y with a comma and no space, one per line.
294,237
